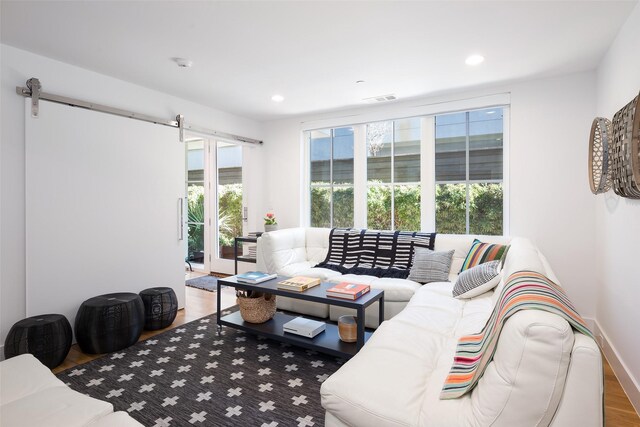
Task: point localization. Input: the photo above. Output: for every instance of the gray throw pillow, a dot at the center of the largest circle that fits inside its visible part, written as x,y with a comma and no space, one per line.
429,266
478,280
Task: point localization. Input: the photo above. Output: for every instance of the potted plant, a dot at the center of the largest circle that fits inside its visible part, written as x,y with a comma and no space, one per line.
270,223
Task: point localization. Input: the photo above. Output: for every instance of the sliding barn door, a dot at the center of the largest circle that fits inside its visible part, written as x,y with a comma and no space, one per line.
102,207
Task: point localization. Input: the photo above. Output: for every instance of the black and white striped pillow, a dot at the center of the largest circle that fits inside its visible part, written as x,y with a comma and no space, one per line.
429,266
477,280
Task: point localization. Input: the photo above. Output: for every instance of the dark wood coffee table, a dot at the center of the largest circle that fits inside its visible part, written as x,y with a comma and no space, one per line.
326,342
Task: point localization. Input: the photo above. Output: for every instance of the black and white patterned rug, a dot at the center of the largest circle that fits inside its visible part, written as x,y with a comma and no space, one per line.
191,376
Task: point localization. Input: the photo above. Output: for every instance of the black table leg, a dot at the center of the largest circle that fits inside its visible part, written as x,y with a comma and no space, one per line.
235,254
360,326
219,313
381,310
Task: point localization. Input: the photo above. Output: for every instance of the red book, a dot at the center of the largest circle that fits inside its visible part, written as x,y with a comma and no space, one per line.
346,290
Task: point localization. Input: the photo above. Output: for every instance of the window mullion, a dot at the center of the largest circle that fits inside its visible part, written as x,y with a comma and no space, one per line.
359,176
393,187
428,174
467,173
331,178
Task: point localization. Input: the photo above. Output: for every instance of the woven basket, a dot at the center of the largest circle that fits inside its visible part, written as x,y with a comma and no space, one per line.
625,150
258,309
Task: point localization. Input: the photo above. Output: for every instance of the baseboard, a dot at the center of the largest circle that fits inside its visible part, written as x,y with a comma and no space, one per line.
591,323
623,373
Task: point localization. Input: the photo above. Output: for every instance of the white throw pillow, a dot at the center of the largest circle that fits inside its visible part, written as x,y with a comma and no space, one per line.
477,280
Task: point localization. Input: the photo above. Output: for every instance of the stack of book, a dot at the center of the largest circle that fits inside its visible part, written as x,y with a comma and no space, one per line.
252,251
298,283
346,290
254,277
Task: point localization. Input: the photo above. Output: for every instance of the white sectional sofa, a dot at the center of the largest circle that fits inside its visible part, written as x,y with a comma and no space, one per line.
31,396
542,374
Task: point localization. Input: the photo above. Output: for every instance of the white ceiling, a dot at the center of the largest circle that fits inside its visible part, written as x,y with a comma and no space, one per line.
313,52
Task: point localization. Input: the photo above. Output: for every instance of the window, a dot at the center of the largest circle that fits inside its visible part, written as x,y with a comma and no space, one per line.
469,165
443,171
393,175
331,155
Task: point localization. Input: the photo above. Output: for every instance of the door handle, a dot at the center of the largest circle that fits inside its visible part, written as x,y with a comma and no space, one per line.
180,218
245,214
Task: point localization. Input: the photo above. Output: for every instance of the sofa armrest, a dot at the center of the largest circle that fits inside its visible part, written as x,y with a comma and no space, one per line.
581,403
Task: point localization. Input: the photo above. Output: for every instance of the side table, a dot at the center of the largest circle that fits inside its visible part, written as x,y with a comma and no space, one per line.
47,337
110,322
160,307
242,258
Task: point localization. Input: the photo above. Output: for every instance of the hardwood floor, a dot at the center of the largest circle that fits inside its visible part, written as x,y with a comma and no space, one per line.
618,410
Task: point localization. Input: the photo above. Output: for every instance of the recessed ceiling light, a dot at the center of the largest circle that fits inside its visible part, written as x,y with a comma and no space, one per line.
474,60
359,81
183,62
277,98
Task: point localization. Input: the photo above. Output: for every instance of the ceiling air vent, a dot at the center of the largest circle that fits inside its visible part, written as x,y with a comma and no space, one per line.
380,98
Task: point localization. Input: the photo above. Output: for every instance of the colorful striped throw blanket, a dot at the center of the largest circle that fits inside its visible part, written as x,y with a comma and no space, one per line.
523,290
374,253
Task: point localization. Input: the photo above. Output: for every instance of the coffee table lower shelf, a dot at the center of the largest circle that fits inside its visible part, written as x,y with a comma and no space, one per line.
326,342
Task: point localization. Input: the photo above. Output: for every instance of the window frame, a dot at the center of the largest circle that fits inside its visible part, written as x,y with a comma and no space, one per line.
331,185
469,182
392,184
428,181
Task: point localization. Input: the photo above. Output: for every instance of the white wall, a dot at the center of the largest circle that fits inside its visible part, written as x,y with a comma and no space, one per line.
60,78
549,192
618,219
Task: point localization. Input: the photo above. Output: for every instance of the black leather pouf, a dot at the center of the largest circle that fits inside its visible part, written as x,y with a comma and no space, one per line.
47,337
160,307
109,322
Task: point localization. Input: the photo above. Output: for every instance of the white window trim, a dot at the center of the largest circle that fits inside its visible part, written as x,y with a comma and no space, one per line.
427,160
360,176
395,111
506,177
428,173
305,214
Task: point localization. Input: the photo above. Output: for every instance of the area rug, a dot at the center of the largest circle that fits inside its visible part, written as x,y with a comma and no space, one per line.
208,283
192,376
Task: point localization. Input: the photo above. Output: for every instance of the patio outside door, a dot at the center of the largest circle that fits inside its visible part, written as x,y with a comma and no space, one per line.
215,203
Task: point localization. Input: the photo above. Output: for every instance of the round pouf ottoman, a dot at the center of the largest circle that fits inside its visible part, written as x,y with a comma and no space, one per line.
47,337
160,307
109,322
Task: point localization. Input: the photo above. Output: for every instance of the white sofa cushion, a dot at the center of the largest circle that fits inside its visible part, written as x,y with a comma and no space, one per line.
284,247
383,385
116,419
520,387
22,376
53,407
317,244
394,289
397,378
371,314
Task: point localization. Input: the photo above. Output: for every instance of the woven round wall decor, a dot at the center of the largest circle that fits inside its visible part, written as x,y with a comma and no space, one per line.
625,151
599,155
